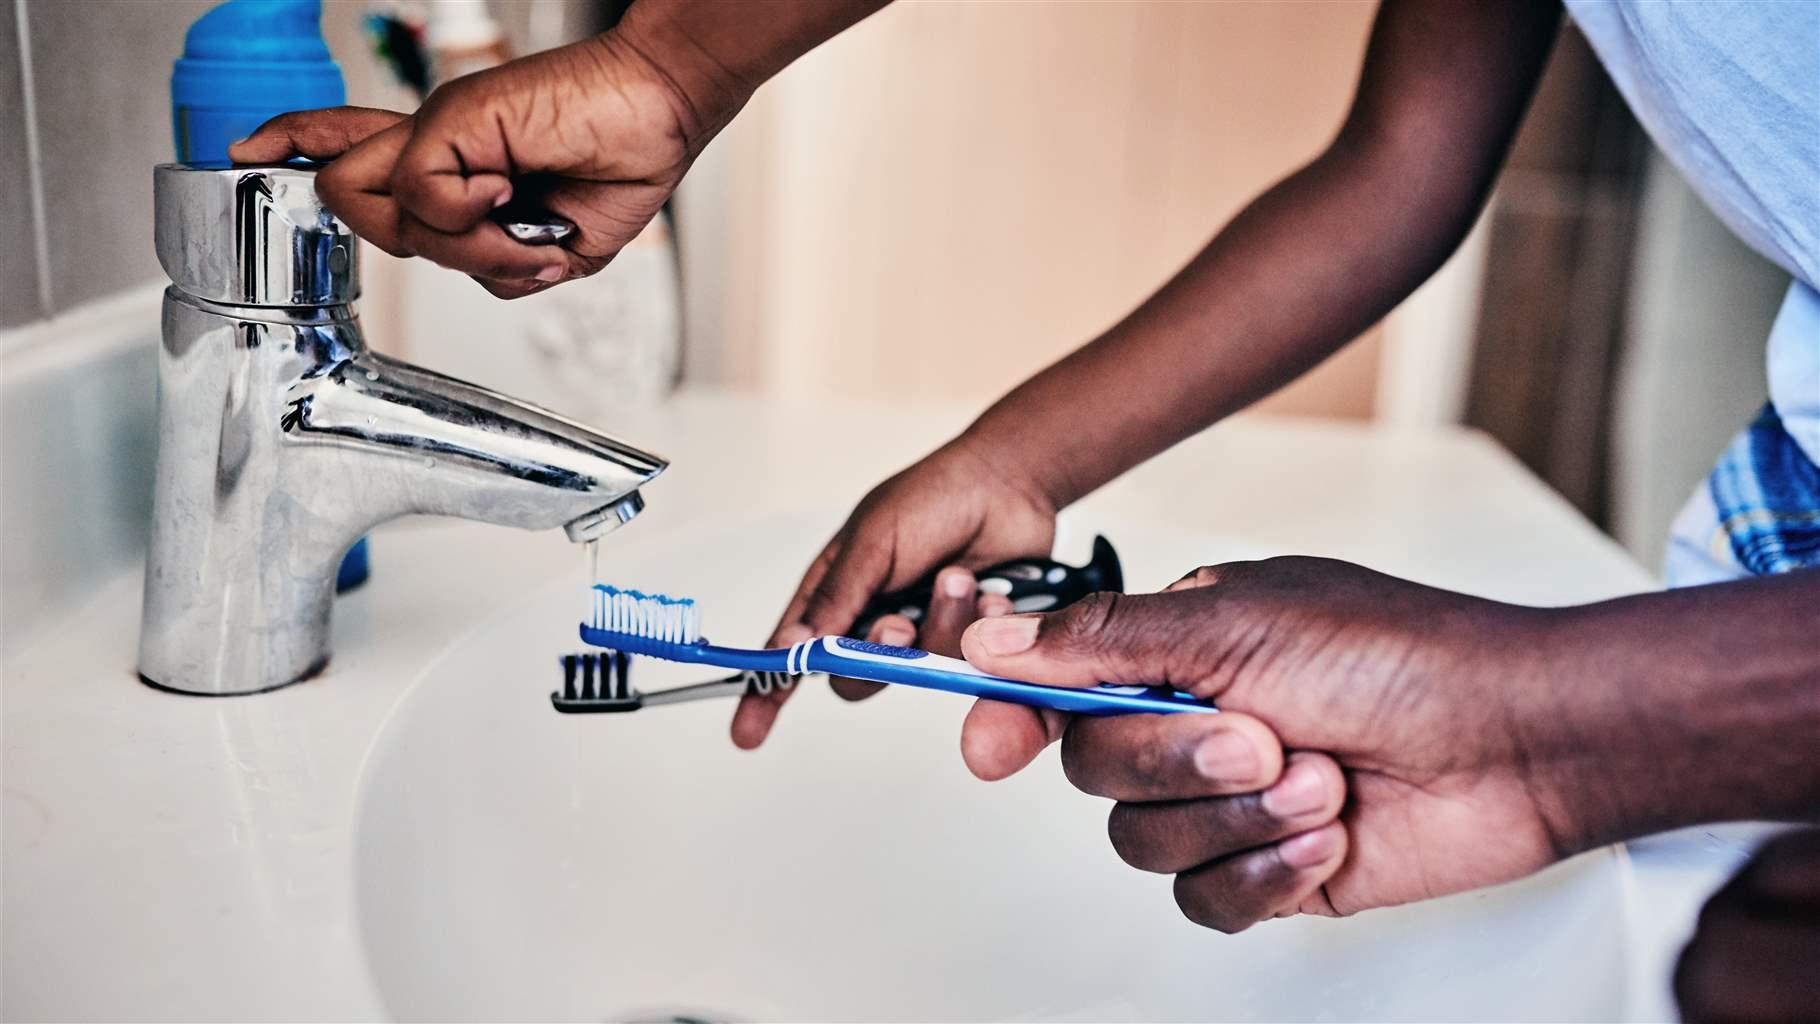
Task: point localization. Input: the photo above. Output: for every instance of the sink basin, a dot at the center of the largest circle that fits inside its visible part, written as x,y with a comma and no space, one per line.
513,863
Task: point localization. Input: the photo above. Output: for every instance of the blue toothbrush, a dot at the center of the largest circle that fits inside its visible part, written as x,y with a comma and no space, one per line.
670,628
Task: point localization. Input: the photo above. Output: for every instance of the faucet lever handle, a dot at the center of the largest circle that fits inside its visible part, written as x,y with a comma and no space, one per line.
531,225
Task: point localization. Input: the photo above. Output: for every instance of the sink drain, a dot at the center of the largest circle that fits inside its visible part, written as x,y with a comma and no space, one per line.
671,1016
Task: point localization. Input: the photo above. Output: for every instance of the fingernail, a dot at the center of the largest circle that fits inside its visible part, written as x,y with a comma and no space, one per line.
957,584
550,274
1010,635
896,636
1226,756
1300,792
238,141
502,199
1310,848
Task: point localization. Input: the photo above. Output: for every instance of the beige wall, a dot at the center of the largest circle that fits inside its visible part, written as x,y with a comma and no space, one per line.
953,194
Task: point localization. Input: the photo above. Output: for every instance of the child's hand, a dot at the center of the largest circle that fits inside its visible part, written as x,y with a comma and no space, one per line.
957,508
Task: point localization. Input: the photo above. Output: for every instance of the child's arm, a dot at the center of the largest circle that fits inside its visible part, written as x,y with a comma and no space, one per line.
1310,264
1304,269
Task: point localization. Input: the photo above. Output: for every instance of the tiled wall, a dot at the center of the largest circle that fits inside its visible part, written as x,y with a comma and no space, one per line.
100,92
19,300
84,111
98,72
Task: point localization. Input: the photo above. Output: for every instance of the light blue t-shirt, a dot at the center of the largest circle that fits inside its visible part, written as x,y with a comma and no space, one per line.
1730,91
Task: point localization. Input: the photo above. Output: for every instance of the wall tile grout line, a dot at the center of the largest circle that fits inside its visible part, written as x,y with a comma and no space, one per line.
34,166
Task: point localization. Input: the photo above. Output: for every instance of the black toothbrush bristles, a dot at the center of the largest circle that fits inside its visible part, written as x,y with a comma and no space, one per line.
615,692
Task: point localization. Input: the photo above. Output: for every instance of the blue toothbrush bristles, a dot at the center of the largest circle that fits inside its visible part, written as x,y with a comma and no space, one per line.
657,616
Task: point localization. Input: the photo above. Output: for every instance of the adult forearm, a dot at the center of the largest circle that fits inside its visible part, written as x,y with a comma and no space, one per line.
1676,708
717,52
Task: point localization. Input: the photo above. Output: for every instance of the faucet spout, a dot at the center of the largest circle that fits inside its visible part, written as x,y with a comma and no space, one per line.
282,439
605,519
413,441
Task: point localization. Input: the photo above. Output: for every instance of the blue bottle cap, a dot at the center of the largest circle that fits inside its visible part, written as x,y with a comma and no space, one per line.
243,63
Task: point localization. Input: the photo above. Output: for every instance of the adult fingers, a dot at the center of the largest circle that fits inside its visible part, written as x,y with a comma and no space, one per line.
999,739
1178,835
1171,757
606,216
1235,893
457,166
354,188
1119,638
314,134
511,289
485,251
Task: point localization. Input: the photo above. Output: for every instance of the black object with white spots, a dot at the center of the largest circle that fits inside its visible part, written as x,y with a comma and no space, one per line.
1032,584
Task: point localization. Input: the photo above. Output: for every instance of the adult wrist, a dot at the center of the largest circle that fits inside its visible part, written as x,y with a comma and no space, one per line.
705,93
1664,710
1563,715
715,54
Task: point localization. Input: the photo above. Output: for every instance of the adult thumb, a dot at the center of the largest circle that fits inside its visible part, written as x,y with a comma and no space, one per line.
1112,638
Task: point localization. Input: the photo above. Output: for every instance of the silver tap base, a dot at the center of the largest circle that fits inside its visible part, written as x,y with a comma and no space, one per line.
283,440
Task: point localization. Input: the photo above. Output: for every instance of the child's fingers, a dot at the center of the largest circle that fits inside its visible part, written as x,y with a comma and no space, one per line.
951,610
889,629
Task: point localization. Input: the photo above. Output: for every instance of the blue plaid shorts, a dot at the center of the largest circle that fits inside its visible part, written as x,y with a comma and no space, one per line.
1766,493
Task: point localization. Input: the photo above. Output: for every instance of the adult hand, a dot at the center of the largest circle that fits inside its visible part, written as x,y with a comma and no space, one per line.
595,132
960,509
1754,954
1428,706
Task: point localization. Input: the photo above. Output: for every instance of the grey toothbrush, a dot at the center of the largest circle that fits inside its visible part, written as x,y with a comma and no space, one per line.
615,693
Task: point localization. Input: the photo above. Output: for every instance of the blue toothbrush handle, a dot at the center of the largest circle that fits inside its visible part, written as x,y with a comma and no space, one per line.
883,663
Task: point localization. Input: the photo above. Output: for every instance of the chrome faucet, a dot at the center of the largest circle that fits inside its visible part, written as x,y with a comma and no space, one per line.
282,439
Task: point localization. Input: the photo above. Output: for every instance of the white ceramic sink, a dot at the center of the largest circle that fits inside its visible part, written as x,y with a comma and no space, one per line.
519,864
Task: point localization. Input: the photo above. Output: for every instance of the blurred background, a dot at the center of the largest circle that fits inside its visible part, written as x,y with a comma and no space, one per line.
926,210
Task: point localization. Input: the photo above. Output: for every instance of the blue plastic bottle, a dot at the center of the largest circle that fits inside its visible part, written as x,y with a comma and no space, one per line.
244,62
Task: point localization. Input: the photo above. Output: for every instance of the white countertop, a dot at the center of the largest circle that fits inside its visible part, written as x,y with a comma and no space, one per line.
191,858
